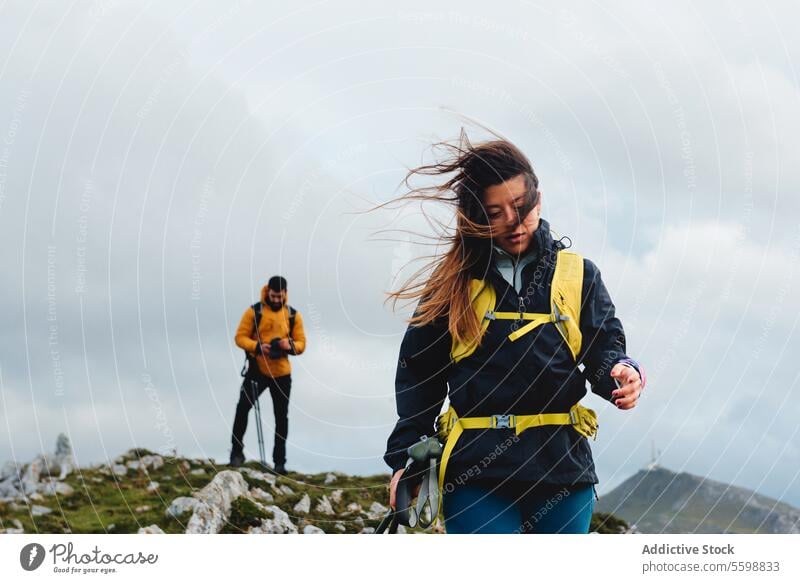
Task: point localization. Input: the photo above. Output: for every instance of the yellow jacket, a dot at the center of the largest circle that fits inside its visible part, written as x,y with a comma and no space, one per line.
272,325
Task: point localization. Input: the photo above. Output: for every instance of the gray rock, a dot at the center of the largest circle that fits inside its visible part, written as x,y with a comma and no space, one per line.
339,526
152,487
303,506
58,465
12,531
256,475
63,462
330,478
214,502
63,446
181,506
198,472
336,496
278,524
16,523
152,529
134,465
9,489
29,481
119,470
10,470
311,529
259,494
286,490
143,508
54,487
367,530
324,506
152,462
37,510
354,507
376,511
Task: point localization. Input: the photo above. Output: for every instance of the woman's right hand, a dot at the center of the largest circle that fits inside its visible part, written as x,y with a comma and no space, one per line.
393,488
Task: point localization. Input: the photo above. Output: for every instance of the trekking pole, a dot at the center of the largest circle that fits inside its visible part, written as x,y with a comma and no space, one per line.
421,469
259,429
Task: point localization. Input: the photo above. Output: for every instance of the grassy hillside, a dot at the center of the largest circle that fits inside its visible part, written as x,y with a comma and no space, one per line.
103,502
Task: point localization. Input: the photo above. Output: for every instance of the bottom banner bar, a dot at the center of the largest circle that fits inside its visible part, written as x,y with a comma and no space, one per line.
396,558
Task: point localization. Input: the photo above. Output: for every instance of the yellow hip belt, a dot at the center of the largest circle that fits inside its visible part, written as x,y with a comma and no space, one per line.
450,427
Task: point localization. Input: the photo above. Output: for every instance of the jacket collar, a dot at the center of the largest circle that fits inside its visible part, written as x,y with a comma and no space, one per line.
542,242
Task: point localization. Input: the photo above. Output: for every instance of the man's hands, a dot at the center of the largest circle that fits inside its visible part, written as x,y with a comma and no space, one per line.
630,388
284,344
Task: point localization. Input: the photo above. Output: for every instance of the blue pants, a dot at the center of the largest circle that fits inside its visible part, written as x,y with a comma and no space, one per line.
518,507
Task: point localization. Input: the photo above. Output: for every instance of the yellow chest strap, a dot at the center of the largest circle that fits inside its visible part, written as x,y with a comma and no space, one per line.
565,303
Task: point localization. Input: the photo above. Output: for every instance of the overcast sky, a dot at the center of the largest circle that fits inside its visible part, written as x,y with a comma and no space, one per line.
159,163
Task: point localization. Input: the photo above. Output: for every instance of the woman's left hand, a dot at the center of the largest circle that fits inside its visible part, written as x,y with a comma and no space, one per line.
627,394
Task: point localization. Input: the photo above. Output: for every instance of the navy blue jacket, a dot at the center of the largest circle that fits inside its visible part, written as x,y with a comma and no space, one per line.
534,374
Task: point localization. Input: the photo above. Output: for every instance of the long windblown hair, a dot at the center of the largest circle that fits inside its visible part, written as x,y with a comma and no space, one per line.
443,285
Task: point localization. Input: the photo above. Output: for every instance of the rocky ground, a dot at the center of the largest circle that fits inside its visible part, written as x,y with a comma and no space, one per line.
141,492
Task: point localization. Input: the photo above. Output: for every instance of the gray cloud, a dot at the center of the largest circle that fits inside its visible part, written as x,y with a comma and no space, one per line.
159,166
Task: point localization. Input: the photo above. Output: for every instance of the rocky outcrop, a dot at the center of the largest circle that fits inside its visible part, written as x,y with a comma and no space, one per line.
181,506
278,524
324,506
172,494
214,502
304,506
39,478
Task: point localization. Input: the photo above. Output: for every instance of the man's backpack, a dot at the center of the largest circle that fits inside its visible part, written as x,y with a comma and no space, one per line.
250,365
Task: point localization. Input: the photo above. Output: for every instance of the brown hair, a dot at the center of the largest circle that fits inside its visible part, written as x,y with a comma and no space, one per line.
446,292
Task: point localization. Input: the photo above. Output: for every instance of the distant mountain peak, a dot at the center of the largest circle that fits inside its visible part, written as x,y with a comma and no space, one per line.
656,500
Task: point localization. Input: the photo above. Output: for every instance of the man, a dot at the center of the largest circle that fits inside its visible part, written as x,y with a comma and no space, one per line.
280,333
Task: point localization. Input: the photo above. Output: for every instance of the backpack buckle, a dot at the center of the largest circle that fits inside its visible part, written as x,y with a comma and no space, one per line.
503,421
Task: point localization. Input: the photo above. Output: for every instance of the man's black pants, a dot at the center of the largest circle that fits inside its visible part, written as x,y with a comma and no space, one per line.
279,389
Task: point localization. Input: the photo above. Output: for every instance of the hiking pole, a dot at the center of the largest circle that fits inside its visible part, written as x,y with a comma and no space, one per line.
421,469
259,428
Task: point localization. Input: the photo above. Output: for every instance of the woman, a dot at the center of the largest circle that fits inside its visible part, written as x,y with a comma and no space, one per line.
509,326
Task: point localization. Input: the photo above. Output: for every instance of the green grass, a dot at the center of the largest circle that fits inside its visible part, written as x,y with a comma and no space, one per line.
604,523
103,500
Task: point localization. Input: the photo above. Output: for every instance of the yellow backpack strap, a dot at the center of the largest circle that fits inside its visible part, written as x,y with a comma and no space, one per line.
449,430
565,298
482,298
534,321
565,304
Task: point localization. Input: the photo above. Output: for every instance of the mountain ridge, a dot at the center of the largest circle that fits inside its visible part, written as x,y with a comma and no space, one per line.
656,499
